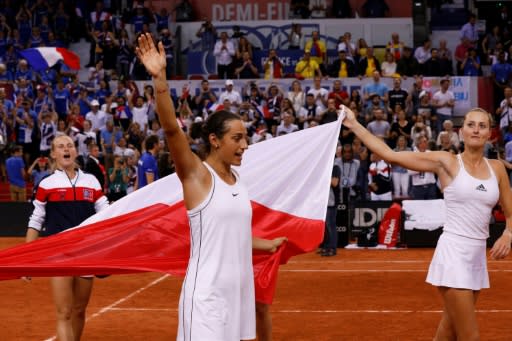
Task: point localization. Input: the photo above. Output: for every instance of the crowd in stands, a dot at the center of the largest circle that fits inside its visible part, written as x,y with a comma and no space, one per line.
116,128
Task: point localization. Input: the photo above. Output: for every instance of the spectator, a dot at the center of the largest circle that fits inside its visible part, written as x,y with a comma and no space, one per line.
375,9
307,67
460,53
339,94
423,183
162,19
311,112
471,64
452,135
109,138
242,45
246,69
345,44
318,50
297,96
375,87
401,177
118,178
368,64
232,95
321,94
407,66
206,96
469,30
388,66
501,74
318,9
444,143
97,117
444,51
423,53
436,67
444,102
61,99
168,44
147,167
287,126
26,127
342,67
420,128
272,107
379,179
94,166
369,112
47,130
379,126
140,113
224,51
397,95
330,243
208,35
395,46
273,67
425,109
504,111
348,178
361,50
330,114
39,169
401,128
16,175
296,38
94,24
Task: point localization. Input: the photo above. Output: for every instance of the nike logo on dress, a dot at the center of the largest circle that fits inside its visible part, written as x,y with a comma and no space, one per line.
481,188
234,194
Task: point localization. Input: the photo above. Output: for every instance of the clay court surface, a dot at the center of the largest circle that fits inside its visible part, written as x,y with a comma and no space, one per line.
356,295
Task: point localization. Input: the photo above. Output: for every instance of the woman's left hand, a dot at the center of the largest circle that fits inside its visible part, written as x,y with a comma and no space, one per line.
501,247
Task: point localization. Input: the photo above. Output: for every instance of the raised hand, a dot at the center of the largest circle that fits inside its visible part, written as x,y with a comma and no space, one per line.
350,117
153,59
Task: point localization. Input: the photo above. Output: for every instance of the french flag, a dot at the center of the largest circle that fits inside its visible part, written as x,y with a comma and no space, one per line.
288,180
42,58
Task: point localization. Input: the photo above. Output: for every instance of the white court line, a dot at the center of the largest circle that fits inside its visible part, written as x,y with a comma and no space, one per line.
112,306
300,311
381,261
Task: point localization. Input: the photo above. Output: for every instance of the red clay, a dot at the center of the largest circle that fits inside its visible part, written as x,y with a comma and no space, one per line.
357,295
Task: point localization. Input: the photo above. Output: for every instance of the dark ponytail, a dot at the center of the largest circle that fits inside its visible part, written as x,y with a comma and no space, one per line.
216,124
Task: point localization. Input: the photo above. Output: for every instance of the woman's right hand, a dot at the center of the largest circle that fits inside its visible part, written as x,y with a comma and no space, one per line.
153,59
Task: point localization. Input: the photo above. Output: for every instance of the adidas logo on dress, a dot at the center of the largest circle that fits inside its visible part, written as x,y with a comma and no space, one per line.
481,188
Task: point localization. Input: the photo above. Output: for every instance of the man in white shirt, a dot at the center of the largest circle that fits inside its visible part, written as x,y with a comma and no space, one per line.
97,117
422,53
232,96
321,94
348,46
444,101
286,126
224,51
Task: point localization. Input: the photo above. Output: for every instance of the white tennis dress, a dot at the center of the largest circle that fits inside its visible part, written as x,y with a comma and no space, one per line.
460,257
217,297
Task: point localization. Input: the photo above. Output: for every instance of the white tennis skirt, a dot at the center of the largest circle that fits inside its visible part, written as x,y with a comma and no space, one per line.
459,262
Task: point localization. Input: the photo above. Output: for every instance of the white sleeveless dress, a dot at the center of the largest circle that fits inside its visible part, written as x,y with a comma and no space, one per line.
217,300
460,257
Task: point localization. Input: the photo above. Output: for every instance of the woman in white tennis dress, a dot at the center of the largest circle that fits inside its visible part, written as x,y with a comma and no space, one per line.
472,185
217,299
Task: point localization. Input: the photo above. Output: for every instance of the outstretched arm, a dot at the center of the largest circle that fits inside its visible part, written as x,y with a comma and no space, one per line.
187,163
436,162
501,247
269,245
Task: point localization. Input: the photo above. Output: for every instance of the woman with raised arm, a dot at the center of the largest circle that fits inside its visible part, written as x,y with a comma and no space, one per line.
217,296
472,186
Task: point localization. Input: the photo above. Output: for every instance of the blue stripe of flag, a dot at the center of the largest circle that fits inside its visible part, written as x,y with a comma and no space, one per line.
35,59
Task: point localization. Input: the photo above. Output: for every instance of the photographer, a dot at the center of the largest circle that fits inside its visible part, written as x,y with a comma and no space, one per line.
349,168
208,36
117,179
